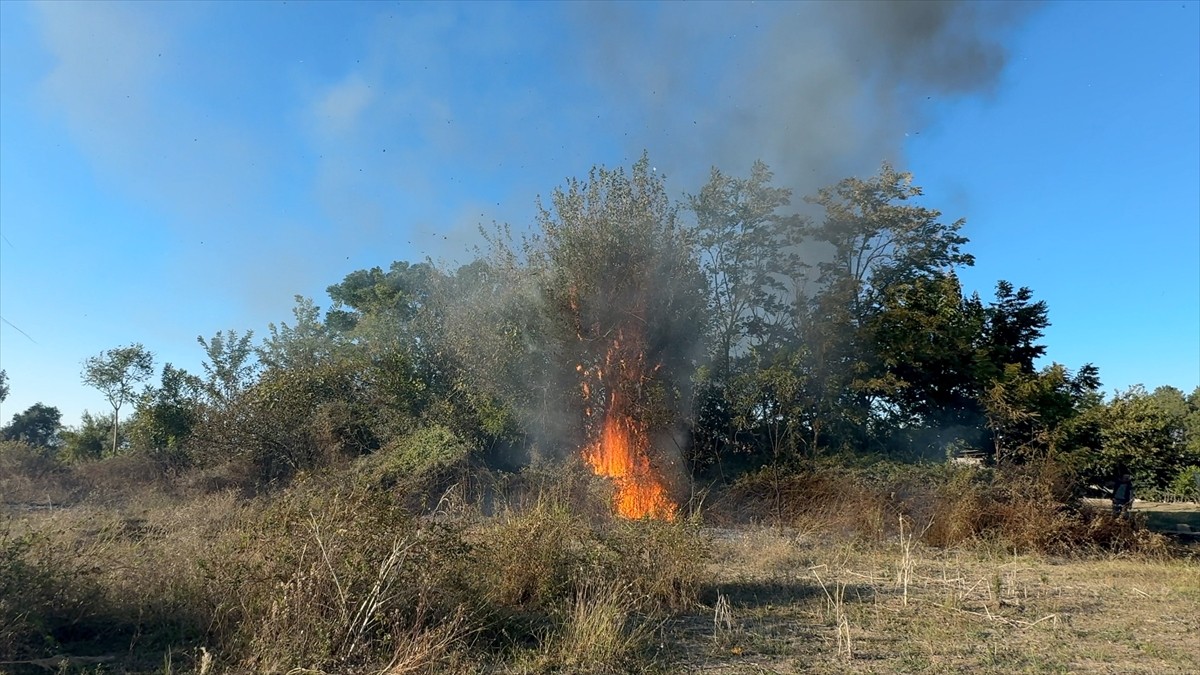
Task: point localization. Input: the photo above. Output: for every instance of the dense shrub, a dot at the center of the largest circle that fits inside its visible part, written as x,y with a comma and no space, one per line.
44,596
1187,483
30,475
1033,507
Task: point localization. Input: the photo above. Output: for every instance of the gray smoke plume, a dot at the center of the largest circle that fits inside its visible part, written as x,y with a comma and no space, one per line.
818,91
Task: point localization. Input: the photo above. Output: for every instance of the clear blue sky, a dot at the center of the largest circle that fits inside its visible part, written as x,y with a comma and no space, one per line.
170,170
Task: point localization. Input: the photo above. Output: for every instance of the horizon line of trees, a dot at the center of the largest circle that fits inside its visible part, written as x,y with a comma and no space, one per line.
769,336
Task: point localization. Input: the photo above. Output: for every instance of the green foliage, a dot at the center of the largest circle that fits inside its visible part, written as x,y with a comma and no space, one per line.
116,373
879,237
1014,324
749,336
166,415
617,270
402,290
38,426
426,469
304,345
298,419
1187,482
750,255
1145,433
428,449
926,335
230,366
88,441
1191,422
1039,415
883,289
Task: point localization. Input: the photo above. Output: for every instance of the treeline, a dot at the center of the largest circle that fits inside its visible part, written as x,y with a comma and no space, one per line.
745,331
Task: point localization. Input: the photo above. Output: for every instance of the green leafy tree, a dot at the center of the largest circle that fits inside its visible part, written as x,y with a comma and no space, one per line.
834,355
1146,434
300,418
1191,423
926,334
313,399
488,357
89,440
877,239
623,292
400,337
3,386
166,415
939,352
37,426
402,290
607,293
116,373
305,343
230,366
749,252
1013,325
230,370
1038,415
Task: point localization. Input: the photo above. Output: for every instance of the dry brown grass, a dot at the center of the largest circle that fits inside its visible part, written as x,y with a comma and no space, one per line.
1026,509
529,574
333,575
798,602
599,632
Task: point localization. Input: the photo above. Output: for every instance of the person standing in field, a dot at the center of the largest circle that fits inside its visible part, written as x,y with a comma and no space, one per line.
1122,496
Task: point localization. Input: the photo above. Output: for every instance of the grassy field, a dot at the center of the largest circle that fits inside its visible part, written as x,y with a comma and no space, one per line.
787,602
336,574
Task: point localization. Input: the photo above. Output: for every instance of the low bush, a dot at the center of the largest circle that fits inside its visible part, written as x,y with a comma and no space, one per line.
45,596
828,499
661,564
31,475
598,631
1187,483
1031,508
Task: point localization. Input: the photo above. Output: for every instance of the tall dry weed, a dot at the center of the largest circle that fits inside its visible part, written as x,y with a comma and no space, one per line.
344,581
598,632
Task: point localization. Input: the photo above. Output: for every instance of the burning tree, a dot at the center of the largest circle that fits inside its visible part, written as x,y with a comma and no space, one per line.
624,301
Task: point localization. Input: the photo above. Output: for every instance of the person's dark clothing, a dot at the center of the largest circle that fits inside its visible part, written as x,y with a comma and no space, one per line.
1122,497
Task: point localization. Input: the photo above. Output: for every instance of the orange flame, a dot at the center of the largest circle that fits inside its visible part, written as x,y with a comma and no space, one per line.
621,450
620,454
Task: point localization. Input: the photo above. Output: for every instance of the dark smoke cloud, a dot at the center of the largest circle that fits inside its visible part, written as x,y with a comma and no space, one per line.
817,90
